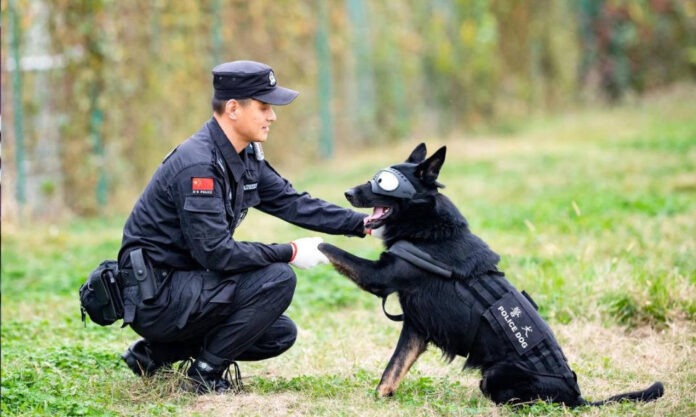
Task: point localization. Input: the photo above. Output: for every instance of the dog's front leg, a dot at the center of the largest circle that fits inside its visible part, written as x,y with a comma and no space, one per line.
411,345
372,276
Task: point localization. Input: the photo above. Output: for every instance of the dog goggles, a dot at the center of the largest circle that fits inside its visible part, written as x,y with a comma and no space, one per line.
392,183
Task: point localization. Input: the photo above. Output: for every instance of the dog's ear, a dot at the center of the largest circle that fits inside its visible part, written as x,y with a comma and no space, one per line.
429,169
418,154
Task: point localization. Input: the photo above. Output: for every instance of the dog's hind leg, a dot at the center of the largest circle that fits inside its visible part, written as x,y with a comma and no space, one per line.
411,345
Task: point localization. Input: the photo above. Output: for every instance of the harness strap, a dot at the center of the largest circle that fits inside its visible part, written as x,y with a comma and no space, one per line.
410,252
392,317
472,331
423,260
486,293
540,361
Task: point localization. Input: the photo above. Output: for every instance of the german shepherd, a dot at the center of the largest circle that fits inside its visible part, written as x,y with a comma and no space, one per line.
452,294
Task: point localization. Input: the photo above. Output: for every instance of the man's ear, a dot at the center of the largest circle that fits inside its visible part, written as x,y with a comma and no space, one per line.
230,107
417,155
429,169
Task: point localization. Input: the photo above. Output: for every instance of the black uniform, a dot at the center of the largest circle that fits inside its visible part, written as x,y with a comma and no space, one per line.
218,299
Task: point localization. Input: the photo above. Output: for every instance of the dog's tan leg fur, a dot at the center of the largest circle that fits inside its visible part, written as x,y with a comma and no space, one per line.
409,348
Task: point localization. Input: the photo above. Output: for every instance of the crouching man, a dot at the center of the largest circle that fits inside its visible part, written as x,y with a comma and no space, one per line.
191,289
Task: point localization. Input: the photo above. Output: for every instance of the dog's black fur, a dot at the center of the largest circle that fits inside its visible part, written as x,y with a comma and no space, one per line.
433,312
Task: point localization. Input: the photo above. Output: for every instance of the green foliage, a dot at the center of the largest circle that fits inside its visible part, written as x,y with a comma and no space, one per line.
650,302
315,386
133,79
55,260
44,383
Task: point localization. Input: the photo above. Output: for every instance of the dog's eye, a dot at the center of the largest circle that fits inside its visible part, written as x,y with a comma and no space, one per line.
387,181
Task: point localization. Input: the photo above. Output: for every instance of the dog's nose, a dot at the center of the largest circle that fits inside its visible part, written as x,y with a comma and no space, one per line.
350,194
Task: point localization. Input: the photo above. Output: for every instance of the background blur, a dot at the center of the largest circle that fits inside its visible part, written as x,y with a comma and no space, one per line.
95,93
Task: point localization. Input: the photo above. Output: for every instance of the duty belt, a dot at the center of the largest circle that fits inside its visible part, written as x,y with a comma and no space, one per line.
143,275
128,276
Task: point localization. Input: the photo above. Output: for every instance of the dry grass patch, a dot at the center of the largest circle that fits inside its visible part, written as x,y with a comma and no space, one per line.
337,375
282,404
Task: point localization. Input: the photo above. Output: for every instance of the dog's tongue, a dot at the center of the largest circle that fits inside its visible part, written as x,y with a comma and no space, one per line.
376,214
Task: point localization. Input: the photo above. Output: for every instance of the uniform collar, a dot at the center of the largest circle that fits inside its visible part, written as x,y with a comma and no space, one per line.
232,159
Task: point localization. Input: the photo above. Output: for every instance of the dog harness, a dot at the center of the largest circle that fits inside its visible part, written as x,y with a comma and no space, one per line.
511,314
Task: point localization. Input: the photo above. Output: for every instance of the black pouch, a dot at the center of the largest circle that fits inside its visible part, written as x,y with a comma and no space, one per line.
100,295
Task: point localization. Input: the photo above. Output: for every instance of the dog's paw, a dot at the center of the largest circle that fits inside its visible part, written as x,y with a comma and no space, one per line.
329,250
385,391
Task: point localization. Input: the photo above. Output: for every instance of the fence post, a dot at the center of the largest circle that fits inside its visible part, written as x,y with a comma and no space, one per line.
326,134
364,104
17,105
96,119
216,32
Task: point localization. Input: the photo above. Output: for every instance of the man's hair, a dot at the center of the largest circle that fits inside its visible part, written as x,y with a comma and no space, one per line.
219,104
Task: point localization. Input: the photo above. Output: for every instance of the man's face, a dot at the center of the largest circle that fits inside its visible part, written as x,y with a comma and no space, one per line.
254,121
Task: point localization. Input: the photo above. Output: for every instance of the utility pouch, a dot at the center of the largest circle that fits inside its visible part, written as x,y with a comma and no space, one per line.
100,295
143,275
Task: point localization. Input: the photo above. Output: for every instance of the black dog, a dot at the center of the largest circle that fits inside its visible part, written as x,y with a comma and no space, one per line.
452,294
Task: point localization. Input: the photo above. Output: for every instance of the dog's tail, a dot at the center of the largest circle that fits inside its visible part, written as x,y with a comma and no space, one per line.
651,393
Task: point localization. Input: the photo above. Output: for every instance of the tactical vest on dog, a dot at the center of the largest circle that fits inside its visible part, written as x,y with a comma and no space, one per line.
512,315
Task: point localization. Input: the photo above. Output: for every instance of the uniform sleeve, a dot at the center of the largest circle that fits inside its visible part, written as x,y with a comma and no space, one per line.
206,225
279,198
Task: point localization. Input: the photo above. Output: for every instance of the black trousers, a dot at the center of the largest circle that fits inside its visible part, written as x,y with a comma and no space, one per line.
219,319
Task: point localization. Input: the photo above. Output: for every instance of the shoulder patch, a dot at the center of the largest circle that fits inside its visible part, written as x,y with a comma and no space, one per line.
202,185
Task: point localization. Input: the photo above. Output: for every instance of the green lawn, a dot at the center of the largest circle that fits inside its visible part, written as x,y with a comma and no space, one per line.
593,213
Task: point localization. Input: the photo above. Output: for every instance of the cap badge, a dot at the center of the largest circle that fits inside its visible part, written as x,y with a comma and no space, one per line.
271,78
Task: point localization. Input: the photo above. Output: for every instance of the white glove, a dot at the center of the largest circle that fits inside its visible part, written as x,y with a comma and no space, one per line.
305,253
378,232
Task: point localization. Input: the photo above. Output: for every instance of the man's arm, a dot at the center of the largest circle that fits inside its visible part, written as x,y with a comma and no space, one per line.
208,233
280,199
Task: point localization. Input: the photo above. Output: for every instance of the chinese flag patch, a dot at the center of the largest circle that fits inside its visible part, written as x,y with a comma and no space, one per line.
202,185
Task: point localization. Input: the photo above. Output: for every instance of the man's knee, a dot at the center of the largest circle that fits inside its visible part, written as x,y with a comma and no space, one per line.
276,340
288,332
280,337
283,272
280,278
288,338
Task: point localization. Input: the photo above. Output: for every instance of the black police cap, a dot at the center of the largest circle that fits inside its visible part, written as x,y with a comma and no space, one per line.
249,79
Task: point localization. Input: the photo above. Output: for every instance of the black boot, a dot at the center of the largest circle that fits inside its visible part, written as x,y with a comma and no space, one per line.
203,378
139,359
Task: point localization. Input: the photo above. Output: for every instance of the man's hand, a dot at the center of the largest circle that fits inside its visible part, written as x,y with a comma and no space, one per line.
305,253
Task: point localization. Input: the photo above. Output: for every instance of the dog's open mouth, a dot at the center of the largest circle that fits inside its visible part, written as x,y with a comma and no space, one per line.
377,217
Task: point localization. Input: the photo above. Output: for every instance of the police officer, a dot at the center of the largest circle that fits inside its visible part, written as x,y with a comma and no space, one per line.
191,289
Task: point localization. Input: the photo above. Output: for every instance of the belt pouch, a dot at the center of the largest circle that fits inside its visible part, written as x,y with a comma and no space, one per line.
111,285
143,275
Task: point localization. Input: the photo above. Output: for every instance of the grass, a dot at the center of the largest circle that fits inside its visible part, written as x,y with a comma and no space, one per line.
594,214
